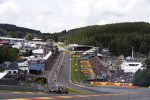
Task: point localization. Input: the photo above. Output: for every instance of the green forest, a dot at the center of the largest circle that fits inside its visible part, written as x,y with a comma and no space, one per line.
8,54
119,37
13,31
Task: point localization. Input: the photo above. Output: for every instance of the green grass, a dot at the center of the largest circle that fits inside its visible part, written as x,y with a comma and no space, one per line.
72,91
76,74
72,78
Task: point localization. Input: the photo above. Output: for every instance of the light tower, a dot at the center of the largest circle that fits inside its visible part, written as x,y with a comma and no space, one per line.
132,57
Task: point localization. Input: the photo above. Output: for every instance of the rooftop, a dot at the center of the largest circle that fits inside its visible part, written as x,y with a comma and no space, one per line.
47,56
38,51
2,75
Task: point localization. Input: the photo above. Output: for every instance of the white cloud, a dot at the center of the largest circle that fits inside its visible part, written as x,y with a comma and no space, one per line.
8,11
57,15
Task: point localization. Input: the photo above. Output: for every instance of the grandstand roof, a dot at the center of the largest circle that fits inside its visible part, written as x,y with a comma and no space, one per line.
12,38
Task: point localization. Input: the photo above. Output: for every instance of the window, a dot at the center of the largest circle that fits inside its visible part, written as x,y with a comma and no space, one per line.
133,64
14,72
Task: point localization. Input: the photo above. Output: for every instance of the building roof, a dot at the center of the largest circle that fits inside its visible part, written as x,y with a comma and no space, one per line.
2,75
23,64
38,51
10,65
47,56
36,66
33,45
5,38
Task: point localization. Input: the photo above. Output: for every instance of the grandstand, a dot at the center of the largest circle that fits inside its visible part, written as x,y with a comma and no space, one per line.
12,39
99,68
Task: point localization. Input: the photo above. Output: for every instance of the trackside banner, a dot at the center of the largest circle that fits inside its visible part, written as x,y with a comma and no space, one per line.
111,84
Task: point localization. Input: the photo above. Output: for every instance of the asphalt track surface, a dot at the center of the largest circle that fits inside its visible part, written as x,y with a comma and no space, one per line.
96,93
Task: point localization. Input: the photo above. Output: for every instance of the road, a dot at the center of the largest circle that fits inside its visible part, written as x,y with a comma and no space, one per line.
63,77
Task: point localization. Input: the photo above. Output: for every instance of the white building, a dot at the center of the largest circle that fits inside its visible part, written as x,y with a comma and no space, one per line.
24,66
131,66
11,67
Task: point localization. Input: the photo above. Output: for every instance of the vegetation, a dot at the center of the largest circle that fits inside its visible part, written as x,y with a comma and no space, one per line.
119,37
1,69
13,31
41,80
142,77
27,53
76,74
8,54
73,91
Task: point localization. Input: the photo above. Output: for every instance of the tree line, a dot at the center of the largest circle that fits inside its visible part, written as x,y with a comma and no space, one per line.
119,37
13,31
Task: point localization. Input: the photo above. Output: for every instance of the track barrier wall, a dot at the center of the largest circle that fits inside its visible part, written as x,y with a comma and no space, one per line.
111,84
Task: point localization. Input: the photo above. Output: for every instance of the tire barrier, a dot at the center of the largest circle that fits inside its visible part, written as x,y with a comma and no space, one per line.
111,84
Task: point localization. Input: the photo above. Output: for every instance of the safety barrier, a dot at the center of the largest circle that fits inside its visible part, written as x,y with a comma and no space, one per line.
111,84
66,52
86,71
76,56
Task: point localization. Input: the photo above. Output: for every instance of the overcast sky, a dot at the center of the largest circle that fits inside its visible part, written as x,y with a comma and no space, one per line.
57,15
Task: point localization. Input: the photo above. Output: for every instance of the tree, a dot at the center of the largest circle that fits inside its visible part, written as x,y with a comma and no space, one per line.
8,54
137,76
144,48
147,62
28,37
142,77
56,38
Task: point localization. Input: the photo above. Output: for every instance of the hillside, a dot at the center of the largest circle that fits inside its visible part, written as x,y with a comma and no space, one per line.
14,31
119,37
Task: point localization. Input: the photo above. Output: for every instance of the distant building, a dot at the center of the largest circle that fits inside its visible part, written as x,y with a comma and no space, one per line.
11,67
12,39
131,66
37,41
18,45
4,44
38,52
35,66
24,66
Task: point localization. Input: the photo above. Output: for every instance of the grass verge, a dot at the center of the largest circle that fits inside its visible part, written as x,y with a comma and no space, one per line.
73,91
76,74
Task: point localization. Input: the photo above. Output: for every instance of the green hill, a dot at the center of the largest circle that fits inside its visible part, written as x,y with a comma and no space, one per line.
118,37
14,31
